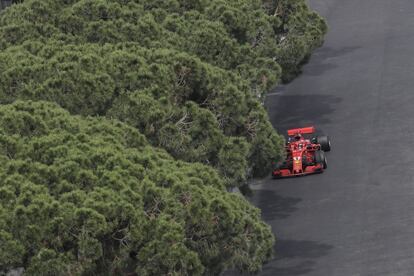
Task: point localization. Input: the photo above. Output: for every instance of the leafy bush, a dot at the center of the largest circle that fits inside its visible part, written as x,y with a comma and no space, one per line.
189,75
187,78
87,196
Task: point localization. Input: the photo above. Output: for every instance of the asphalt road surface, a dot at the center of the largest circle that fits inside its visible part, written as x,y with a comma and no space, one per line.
358,217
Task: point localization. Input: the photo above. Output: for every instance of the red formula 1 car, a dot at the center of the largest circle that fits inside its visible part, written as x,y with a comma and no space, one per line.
303,156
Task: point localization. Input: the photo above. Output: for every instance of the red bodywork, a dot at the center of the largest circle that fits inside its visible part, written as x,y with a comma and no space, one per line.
300,155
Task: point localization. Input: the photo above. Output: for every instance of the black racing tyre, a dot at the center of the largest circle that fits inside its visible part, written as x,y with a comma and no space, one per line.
320,158
325,142
275,176
274,166
325,162
306,161
286,165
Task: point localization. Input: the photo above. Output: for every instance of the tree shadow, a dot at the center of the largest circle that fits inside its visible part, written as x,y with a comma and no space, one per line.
295,257
326,52
288,249
292,111
320,61
274,206
301,268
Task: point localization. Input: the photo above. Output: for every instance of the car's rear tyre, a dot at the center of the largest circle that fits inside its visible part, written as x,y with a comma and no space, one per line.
320,158
282,166
325,142
286,165
276,176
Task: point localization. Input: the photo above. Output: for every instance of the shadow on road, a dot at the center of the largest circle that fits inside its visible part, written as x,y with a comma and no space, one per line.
296,257
274,206
292,111
300,249
292,258
322,57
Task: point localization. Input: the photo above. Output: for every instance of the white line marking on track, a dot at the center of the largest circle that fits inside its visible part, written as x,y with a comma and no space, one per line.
274,94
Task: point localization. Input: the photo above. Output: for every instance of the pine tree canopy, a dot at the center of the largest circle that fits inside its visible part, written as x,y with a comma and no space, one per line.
84,196
123,123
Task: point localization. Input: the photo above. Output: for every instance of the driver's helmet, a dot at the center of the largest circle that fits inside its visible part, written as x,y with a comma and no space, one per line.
297,137
300,146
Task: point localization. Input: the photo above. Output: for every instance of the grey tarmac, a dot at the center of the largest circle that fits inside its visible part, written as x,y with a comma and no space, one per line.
357,218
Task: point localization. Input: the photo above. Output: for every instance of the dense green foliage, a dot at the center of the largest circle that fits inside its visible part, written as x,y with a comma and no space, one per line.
88,195
299,33
187,74
91,196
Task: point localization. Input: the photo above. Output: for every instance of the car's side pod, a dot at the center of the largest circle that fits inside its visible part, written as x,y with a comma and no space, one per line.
304,130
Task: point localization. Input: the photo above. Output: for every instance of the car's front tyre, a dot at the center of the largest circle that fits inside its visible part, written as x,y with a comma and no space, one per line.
325,142
320,158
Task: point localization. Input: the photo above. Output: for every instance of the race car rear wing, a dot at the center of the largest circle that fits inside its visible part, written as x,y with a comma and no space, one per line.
305,130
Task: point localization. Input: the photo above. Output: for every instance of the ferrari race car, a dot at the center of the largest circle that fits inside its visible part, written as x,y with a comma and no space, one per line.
303,156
